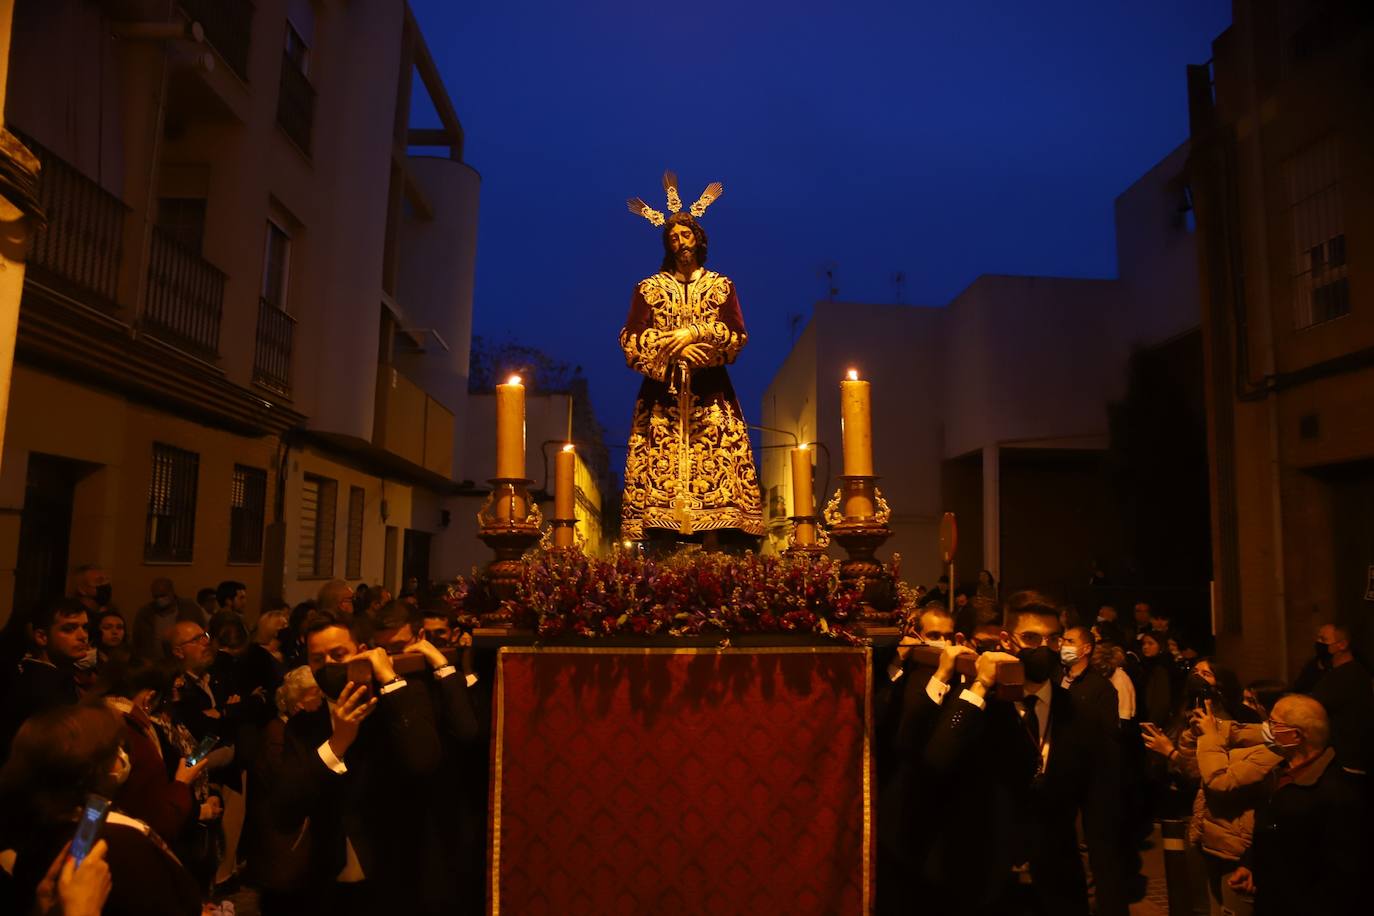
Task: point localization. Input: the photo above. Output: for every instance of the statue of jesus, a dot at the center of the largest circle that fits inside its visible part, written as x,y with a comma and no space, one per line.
690,468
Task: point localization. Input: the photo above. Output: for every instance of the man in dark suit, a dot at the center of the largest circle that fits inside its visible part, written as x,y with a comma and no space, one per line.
358,768
1021,772
454,879
906,706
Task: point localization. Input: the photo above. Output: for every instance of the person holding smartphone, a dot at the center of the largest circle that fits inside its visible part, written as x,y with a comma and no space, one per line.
59,759
348,767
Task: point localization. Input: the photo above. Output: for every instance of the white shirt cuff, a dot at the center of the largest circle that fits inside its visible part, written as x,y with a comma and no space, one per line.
393,686
472,680
444,671
331,759
895,672
936,689
973,698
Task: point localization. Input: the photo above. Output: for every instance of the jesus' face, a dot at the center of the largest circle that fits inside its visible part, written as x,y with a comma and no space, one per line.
683,242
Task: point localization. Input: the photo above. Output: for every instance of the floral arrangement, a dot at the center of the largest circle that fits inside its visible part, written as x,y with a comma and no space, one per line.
685,594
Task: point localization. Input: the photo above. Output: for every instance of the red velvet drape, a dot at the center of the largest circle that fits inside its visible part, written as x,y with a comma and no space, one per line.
681,781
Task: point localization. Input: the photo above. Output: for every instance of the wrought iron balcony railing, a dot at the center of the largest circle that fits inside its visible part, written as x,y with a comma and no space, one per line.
228,26
272,355
81,244
185,297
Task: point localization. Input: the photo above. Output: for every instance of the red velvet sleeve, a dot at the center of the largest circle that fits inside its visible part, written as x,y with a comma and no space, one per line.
641,341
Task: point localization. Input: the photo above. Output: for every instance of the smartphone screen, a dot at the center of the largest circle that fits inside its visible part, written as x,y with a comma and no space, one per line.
88,830
206,745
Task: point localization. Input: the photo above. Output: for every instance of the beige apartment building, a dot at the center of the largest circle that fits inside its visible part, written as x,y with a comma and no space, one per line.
1283,175
244,331
998,406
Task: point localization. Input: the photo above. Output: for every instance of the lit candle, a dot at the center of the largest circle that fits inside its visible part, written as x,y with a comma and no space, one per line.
510,429
856,423
801,480
564,466
801,494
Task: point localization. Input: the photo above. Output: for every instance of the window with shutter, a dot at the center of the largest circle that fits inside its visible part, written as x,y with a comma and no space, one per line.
169,536
315,558
247,507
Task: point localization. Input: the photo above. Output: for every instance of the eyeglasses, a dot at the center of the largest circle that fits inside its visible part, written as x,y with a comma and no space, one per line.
1035,640
201,637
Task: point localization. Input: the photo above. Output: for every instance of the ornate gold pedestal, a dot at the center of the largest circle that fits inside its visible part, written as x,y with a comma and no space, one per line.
508,523
857,516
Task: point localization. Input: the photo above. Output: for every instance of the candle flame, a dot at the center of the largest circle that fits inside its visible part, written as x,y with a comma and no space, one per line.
513,380
853,375
568,447
804,446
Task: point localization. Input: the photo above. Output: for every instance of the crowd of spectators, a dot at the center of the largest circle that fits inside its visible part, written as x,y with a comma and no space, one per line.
1040,799
284,752
280,751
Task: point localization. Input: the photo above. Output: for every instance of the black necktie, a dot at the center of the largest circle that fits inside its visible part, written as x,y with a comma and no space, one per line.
1031,720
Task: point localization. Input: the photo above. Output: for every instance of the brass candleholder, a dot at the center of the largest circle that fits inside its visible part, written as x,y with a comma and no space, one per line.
508,523
857,516
808,537
563,535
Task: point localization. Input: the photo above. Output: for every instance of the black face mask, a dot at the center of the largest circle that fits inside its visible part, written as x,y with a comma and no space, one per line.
991,645
1323,651
332,679
103,593
1039,664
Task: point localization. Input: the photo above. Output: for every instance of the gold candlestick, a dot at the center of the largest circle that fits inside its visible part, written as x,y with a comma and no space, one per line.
861,528
508,523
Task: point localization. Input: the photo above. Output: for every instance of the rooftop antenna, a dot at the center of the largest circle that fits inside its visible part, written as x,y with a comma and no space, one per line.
827,272
899,281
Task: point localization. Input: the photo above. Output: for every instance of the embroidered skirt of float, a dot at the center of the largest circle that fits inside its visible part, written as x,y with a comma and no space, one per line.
690,466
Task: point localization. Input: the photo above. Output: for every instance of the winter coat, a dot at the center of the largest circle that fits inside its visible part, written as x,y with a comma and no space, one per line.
1234,765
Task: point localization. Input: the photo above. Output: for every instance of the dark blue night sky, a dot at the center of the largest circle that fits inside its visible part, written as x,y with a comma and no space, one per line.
942,140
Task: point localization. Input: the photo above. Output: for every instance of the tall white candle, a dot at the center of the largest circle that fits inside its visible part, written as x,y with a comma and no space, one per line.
856,423
510,429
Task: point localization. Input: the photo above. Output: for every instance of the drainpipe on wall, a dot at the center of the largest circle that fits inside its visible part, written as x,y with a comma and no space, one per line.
20,217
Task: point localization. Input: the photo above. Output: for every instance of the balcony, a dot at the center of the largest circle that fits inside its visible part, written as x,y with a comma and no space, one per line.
79,249
296,104
228,27
272,355
412,425
185,297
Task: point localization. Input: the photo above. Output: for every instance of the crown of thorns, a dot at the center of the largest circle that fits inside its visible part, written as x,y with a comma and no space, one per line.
639,208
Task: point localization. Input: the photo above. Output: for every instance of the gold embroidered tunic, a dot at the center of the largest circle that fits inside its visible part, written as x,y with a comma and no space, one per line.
690,466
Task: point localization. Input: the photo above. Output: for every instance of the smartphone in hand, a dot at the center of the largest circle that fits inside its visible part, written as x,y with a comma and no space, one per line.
206,745
360,671
88,829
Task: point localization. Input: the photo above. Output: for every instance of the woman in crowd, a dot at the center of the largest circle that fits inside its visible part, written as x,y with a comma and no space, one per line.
58,758
111,638
1155,697
1235,767
155,792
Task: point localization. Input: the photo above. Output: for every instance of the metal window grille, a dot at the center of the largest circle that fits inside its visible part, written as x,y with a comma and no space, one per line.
170,534
247,507
1321,285
353,562
315,558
